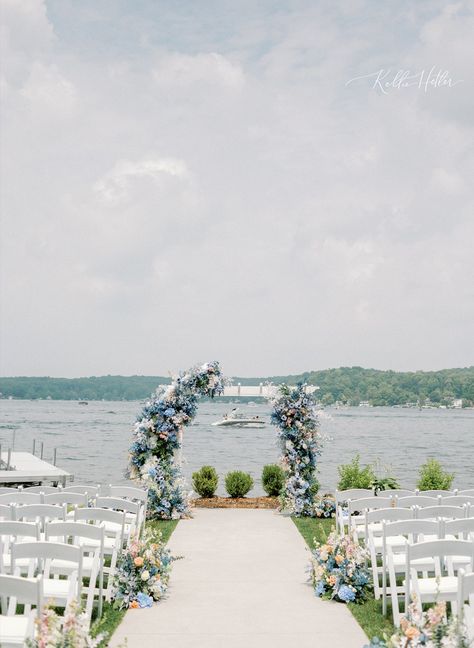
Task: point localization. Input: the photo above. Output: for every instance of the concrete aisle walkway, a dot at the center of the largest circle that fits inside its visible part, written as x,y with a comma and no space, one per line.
241,584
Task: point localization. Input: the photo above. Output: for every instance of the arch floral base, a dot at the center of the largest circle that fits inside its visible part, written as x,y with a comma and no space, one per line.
157,439
295,414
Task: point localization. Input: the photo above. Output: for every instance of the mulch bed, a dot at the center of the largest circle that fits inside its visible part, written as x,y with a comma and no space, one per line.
237,502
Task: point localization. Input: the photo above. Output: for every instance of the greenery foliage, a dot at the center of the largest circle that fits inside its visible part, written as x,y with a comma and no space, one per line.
205,481
352,475
238,483
433,477
273,479
345,384
385,483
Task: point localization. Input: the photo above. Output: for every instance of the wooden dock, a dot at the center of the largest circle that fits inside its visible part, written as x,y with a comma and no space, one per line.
26,468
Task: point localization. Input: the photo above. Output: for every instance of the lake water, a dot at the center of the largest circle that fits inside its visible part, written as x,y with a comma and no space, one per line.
92,440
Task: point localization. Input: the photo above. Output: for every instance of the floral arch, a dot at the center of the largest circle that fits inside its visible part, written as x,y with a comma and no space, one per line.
157,440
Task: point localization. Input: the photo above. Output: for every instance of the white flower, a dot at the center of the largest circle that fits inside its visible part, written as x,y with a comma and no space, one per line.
145,575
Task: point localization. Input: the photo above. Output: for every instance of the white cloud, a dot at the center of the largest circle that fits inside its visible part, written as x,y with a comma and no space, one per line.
201,192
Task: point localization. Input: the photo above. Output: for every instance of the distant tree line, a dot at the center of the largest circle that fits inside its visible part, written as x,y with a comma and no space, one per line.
349,385
352,385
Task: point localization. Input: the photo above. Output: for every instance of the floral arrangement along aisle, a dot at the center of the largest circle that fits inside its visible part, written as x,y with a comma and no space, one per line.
325,507
338,569
157,439
295,414
70,631
430,629
143,572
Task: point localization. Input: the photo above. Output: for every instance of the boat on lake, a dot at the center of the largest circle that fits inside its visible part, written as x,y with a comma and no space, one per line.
234,419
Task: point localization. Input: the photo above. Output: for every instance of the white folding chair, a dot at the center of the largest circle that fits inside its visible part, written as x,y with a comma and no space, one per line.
443,584
438,493
469,492
394,556
68,499
440,511
17,629
81,535
342,497
374,539
86,489
457,500
466,610
21,497
357,509
113,523
131,509
135,495
41,555
41,513
460,529
397,492
40,489
417,500
11,532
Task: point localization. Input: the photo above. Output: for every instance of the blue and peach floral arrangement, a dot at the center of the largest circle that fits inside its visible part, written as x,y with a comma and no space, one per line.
338,569
156,438
143,572
295,414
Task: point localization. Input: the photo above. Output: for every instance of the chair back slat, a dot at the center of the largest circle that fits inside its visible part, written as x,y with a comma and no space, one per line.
417,500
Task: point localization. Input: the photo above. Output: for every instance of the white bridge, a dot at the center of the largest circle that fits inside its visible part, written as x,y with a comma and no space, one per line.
259,391
256,391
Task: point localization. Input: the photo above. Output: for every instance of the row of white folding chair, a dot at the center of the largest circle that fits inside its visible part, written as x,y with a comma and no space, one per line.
40,529
18,629
466,609
397,535
90,538
358,507
132,500
113,523
65,565
376,541
343,497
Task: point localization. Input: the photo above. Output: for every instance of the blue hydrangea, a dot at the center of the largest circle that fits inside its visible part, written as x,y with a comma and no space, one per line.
346,594
144,600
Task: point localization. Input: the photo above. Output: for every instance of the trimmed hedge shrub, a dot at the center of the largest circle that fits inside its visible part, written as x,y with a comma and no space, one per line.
238,483
205,481
433,477
273,479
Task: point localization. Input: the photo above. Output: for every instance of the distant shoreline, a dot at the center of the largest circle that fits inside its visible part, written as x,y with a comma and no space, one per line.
354,386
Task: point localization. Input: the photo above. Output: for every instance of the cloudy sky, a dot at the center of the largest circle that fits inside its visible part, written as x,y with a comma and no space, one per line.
250,181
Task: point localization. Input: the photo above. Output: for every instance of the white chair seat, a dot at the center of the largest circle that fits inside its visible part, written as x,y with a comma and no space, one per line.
443,585
14,630
393,541
422,564
57,589
62,565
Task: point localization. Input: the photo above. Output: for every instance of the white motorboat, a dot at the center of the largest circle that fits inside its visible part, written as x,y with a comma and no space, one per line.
239,420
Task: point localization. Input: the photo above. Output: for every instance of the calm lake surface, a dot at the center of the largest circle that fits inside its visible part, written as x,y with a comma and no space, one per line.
92,440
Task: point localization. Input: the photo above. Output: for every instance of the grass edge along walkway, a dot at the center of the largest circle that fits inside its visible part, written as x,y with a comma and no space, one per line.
111,617
369,613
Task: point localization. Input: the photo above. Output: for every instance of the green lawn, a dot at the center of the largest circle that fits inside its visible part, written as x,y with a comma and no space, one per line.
111,617
368,614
